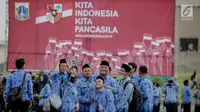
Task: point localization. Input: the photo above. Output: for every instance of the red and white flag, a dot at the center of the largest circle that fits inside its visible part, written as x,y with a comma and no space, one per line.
154,43
167,39
96,58
114,59
74,48
84,51
122,52
109,54
53,13
142,50
172,45
76,54
155,53
58,45
68,42
138,45
52,40
62,42
101,53
147,37
90,53
78,42
160,40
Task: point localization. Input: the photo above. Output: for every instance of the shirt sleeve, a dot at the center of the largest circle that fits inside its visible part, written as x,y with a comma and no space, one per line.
128,92
81,99
93,107
30,88
145,90
156,92
189,92
175,85
110,106
7,89
47,91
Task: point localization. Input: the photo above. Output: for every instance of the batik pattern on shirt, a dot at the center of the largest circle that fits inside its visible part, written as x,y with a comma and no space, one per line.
103,101
135,79
84,90
186,95
108,81
146,90
15,80
45,91
156,96
171,93
123,95
197,97
70,98
59,82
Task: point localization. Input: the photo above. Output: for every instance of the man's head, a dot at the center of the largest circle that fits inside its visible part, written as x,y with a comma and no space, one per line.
133,68
125,69
86,71
99,82
104,68
186,83
20,63
63,66
156,84
143,71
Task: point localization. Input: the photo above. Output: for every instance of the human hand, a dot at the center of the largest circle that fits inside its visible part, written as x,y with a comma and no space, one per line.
91,100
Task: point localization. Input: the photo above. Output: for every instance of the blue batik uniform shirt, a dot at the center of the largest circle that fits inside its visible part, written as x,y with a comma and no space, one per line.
186,95
123,96
45,91
70,98
103,101
156,96
59,81
84,90
15,80
135,79
171,93
146,90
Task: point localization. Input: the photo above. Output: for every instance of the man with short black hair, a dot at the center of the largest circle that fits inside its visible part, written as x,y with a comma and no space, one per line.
84,89
186,96
103,98
134,76
15,80
123,95
146,90
110,82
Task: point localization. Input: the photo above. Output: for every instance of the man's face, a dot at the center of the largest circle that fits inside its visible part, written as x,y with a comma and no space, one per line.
132,70
123,72
140,74
99,84
104,70
87,72
63,67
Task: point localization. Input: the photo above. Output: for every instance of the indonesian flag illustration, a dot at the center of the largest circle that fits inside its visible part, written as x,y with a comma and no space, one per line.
54,12
161,40
78,42
147,40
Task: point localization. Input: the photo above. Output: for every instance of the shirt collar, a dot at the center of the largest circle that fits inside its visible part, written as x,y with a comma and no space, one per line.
105,78
100,91
84,79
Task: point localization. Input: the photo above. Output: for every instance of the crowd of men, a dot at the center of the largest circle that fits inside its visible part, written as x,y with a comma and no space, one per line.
88,92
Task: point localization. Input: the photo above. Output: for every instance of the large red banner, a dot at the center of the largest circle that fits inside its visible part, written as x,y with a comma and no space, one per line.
140,31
